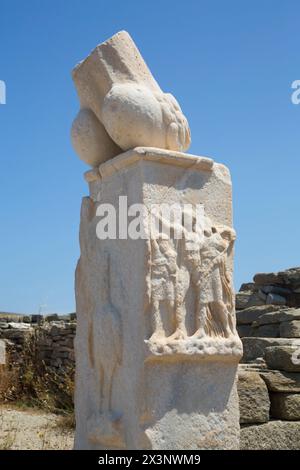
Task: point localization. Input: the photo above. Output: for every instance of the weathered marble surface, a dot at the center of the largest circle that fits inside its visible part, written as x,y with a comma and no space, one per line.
122,106
156,344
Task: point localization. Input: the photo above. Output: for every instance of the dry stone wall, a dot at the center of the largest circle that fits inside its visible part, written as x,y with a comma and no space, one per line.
52,338
268,321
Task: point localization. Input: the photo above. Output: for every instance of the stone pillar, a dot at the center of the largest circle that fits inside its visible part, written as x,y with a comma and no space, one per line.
147,376
156,344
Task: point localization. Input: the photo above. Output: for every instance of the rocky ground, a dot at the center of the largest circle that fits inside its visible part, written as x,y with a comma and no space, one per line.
32,430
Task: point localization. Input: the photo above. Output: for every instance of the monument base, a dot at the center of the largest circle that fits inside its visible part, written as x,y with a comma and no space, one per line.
191,405
156,344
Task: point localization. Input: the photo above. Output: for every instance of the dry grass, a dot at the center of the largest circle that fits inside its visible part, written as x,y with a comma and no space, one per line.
66,421
28,388
30,383
9,382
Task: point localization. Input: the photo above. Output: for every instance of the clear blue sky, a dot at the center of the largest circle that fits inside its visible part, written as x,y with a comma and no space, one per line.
229,63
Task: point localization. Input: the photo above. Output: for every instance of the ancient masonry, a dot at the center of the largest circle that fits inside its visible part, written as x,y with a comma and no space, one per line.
51,337
156,347
268,319
269,382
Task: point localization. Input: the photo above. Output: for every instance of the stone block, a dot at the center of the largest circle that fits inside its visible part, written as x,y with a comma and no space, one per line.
256,300
57,329
262,296
291,278
279,381
244,330
37,318
26,319
285,358
242,299
283,291
20,326
262,279
51,317
293,300
290,329
251,314
248,287
266,331
255,347
285,406
274,435
253,398
279,315
275,299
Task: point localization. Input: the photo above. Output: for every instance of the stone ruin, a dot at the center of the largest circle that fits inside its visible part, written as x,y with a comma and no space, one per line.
268,321
268,381
52,335
156,346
